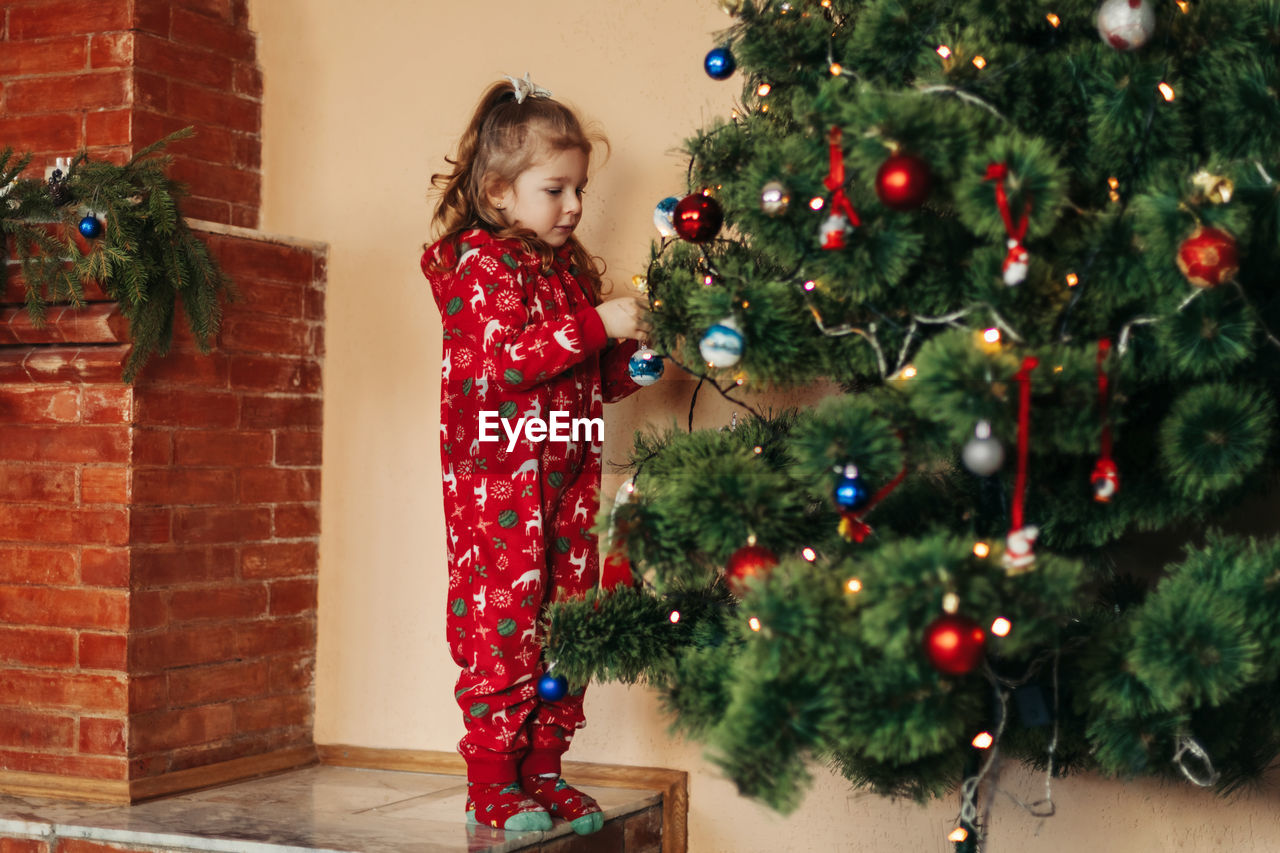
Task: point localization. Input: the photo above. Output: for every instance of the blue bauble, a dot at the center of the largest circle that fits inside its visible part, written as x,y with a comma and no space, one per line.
91,227
664,216
719,63
552,688
645,366
723,344
851,492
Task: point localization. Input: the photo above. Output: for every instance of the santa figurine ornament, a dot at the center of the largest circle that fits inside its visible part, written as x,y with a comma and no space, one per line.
1018,261
841,217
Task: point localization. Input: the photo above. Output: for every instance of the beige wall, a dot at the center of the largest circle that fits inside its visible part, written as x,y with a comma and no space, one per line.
362,102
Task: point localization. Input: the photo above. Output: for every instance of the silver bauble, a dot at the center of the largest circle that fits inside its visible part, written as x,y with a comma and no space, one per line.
775,198
982,454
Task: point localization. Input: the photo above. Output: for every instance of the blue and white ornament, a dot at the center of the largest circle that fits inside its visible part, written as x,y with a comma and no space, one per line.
722,345
91,227
851,491
552,688
664,216
719,63
645,366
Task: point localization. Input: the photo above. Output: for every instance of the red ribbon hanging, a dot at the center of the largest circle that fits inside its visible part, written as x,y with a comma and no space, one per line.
1017,231
835,179
1023,379
1106,476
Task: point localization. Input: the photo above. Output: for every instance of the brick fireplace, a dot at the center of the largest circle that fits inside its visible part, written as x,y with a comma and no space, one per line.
158,541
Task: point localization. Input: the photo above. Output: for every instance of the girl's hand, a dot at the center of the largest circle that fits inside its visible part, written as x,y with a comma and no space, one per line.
627,317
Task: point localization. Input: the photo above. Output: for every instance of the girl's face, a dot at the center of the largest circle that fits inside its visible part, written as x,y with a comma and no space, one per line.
547,197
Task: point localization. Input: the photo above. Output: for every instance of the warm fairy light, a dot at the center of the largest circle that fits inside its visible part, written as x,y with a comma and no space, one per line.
950,603
944,51
810,285
764,108
674,617
816,203
1184,6
1113,182
1001,627
757,450
981,549
836,69
809,554
1057,368
631,487
763,89
1166,90
707,280
909,372
854,585
657,303
826,4
740,381
991,336
979,63
1113,195
983,740
1072,279
754,623
958,834
745,304
1053,20
734,113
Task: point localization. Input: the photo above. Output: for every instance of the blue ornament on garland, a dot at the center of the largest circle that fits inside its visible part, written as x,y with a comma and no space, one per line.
645,366
722,345
552,688
91,227
719,63
664,216
851,491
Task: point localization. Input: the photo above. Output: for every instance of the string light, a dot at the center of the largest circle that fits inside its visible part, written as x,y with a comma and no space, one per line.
707,280
631,487
1001,627
1184,6
909,372
745,304
1166,90
764,89
1057,368
836,69
657,303
757,450
944,51
816,203
981,549
1072,279
958,834
1053,20
854,585
809,554
991,336
754,623
810,285
674,617
979,63
764,109
950,603
826,4
1114,184
983,740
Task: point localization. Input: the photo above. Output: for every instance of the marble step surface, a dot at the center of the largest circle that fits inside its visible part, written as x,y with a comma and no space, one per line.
320,809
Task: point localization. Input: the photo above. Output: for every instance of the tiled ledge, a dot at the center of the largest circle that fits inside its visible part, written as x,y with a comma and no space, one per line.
322,809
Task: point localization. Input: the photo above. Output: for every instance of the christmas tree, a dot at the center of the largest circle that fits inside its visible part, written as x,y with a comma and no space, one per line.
1032,246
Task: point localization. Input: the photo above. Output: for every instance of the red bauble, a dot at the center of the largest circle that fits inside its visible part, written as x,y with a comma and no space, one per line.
748,561
1208,257
903,182
953,644
698,217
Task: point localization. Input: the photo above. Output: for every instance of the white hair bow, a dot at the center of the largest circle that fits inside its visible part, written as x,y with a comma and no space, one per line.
526,87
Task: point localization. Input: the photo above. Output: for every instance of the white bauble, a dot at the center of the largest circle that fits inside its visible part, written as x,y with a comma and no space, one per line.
1126,24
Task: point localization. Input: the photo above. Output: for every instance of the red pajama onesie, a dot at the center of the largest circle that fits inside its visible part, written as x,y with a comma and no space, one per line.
517,343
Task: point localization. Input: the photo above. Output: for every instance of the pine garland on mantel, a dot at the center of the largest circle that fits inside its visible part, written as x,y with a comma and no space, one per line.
144,255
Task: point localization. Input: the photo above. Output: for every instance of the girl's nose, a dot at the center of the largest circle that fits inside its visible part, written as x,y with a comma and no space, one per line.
574,204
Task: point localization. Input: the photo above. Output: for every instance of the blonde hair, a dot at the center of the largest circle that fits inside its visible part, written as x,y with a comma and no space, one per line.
504,138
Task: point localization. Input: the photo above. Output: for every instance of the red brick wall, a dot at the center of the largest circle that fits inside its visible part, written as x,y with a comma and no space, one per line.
64,530
225,523
112,76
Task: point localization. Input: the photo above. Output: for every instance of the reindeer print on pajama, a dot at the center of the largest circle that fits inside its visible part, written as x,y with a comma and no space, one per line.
521,343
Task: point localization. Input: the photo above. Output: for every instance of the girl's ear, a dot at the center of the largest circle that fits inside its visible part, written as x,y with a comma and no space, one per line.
499,194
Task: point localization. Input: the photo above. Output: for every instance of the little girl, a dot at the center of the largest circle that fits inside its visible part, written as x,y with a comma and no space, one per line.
525,337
